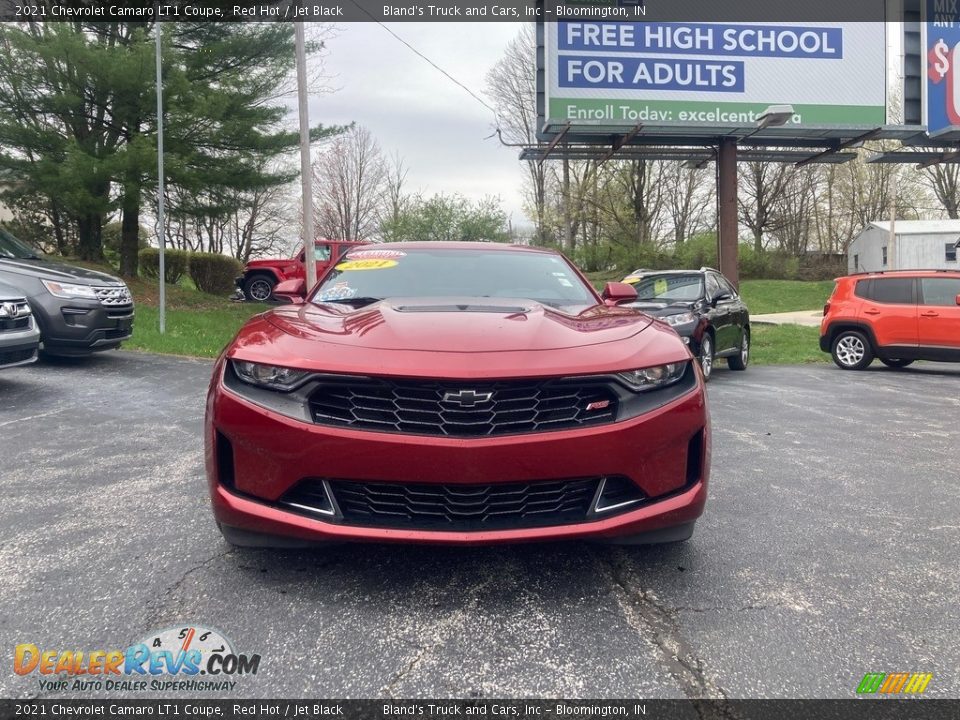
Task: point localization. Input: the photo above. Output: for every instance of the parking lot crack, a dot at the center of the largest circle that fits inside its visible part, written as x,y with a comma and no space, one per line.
438,629
162,601
659,624
410,667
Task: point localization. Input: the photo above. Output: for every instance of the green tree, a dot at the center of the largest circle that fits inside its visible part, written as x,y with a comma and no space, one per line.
78,127
448,217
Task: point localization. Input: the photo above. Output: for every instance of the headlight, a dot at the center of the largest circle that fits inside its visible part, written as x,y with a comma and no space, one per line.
69,290
268,376
652,378
679,319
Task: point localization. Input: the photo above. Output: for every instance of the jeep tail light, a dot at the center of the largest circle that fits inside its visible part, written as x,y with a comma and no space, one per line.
826,309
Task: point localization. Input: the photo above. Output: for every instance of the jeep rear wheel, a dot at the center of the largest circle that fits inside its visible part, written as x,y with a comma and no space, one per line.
259,288
851,350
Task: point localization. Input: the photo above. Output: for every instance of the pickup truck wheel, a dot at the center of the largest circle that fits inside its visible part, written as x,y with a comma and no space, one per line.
259,288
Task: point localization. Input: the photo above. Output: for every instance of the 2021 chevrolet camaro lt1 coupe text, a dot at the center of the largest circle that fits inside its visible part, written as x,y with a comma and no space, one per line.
459,393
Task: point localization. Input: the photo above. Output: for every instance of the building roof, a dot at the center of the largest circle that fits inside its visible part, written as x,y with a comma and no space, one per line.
920,227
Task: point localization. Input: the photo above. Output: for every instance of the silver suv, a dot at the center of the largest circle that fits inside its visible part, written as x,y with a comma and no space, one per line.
19,335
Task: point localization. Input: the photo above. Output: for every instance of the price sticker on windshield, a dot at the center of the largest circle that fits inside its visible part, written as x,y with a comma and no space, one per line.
659,286
369,264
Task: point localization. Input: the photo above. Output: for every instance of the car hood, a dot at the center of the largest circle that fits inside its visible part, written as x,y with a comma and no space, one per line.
52,270
467,338
458,325
270,262
660,310
8,292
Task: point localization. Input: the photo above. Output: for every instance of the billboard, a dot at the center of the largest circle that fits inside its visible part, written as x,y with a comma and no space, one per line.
941,46
600,73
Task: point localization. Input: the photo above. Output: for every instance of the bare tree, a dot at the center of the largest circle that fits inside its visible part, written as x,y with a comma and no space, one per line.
795,211
395,200
687,199
762,186
944,180
632,200
511,85
349,178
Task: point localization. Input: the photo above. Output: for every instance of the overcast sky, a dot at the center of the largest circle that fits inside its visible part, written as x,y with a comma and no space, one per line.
411,108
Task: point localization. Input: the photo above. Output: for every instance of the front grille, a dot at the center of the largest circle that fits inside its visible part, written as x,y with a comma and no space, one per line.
16,315
461,408
118,333
458,507
8,325
16,356
113,295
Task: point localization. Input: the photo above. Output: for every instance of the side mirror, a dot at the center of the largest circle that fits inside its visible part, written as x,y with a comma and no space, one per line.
722,295
958,299
618,292
291,291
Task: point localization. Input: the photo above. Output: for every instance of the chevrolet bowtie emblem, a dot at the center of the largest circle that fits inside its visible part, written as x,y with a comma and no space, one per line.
467,398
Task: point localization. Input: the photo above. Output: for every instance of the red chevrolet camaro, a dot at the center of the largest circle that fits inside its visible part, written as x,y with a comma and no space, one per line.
459,393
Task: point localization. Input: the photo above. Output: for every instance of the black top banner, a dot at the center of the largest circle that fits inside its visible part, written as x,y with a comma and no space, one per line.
345,11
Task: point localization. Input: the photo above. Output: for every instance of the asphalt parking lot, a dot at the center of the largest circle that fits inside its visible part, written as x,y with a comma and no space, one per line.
829,549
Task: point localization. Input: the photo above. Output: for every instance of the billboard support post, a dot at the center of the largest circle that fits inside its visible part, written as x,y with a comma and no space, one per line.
727,242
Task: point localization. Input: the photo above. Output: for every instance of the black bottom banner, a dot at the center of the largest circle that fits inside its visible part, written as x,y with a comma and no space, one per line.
853,709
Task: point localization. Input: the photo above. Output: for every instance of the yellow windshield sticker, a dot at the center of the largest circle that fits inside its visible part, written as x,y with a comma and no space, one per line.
659,286
370,264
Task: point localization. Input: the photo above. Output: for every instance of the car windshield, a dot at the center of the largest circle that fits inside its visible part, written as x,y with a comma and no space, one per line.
670,288
375,273
11,247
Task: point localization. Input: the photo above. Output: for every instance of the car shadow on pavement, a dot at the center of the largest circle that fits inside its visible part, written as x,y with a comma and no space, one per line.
556,573
932,369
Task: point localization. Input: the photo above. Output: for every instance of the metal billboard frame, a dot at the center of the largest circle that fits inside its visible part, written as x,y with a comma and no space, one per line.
701,143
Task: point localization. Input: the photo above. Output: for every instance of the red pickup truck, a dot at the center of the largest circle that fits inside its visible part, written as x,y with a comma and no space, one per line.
261,276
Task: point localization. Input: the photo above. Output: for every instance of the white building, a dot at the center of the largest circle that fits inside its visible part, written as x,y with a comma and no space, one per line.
920,244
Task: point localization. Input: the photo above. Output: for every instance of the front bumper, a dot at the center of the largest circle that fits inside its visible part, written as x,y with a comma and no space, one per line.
19,347
254,456
80,327
691,333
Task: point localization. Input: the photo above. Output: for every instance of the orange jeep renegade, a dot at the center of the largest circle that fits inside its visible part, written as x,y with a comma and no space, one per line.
896,316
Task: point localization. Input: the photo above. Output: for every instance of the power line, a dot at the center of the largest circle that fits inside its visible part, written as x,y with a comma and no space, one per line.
431,63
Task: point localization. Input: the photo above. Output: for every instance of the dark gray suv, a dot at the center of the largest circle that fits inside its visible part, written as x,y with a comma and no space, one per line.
78,311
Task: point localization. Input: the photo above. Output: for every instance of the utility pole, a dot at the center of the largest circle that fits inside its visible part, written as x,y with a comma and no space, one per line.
161,227
309,257
892,243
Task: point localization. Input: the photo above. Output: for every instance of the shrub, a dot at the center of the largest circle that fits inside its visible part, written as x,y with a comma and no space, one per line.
214,273
697,252
753,265
174,264
822,267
